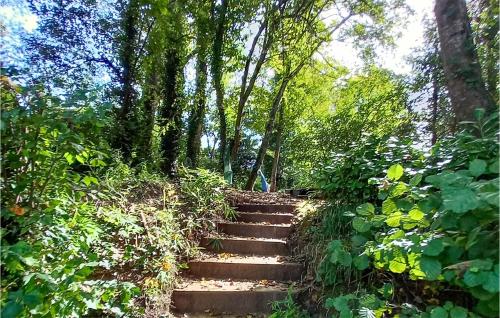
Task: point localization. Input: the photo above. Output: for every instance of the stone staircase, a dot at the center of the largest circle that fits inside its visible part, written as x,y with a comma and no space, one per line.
245,269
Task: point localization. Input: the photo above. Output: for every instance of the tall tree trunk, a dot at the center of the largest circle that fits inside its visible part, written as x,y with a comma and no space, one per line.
149,109
267,135
197,117
462,70
126,117
217,71
171,113
277,150
435,103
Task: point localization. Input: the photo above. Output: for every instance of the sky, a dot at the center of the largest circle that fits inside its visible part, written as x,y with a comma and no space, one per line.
17,19
412,37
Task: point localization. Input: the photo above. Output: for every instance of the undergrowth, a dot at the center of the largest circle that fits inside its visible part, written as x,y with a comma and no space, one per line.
408,232
82,233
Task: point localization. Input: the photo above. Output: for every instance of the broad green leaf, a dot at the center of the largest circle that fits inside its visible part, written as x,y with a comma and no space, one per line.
416,214
439,312
434,247
472,279
344,258
492,283
361,262
395,172
431,267
397,265
394,220
365,209
459,200
494,167
80,159
398,189
87,180
358,240
69,157
361,225
346,314
12,309
458,312
341,303
415,180
388,206
477,167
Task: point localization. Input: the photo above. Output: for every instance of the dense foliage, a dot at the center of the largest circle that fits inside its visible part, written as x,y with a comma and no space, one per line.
82,233
120,116
428,216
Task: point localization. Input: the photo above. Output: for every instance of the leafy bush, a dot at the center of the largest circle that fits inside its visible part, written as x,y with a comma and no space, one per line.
81,236
345,178
431,218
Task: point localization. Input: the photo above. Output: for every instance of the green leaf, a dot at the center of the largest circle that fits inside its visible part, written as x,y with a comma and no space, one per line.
346,314
361,225
494,167
394,220
492,284
361,262
80,159
358,240
12,309
395,172
344,258
434,247
397,265
472,279
416,214
459,200
439,312
365,209
458,312
87,180
341,303
431,267
398,189
69,157
416,179
388,206
477,167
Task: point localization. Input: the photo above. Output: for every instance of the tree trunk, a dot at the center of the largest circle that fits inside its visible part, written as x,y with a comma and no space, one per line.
435,103
245,89
149,108
265,140
197,117
274,169
126,117
171,113
217,59
462,70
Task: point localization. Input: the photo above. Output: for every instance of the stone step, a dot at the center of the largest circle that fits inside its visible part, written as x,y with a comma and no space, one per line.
228,297
246,267
266,208
243,245
272,218
255,230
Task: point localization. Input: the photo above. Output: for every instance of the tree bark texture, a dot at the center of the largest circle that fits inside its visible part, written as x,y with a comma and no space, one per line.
126,117
217,71
171,112
267,135
462,69
197,117
277,150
